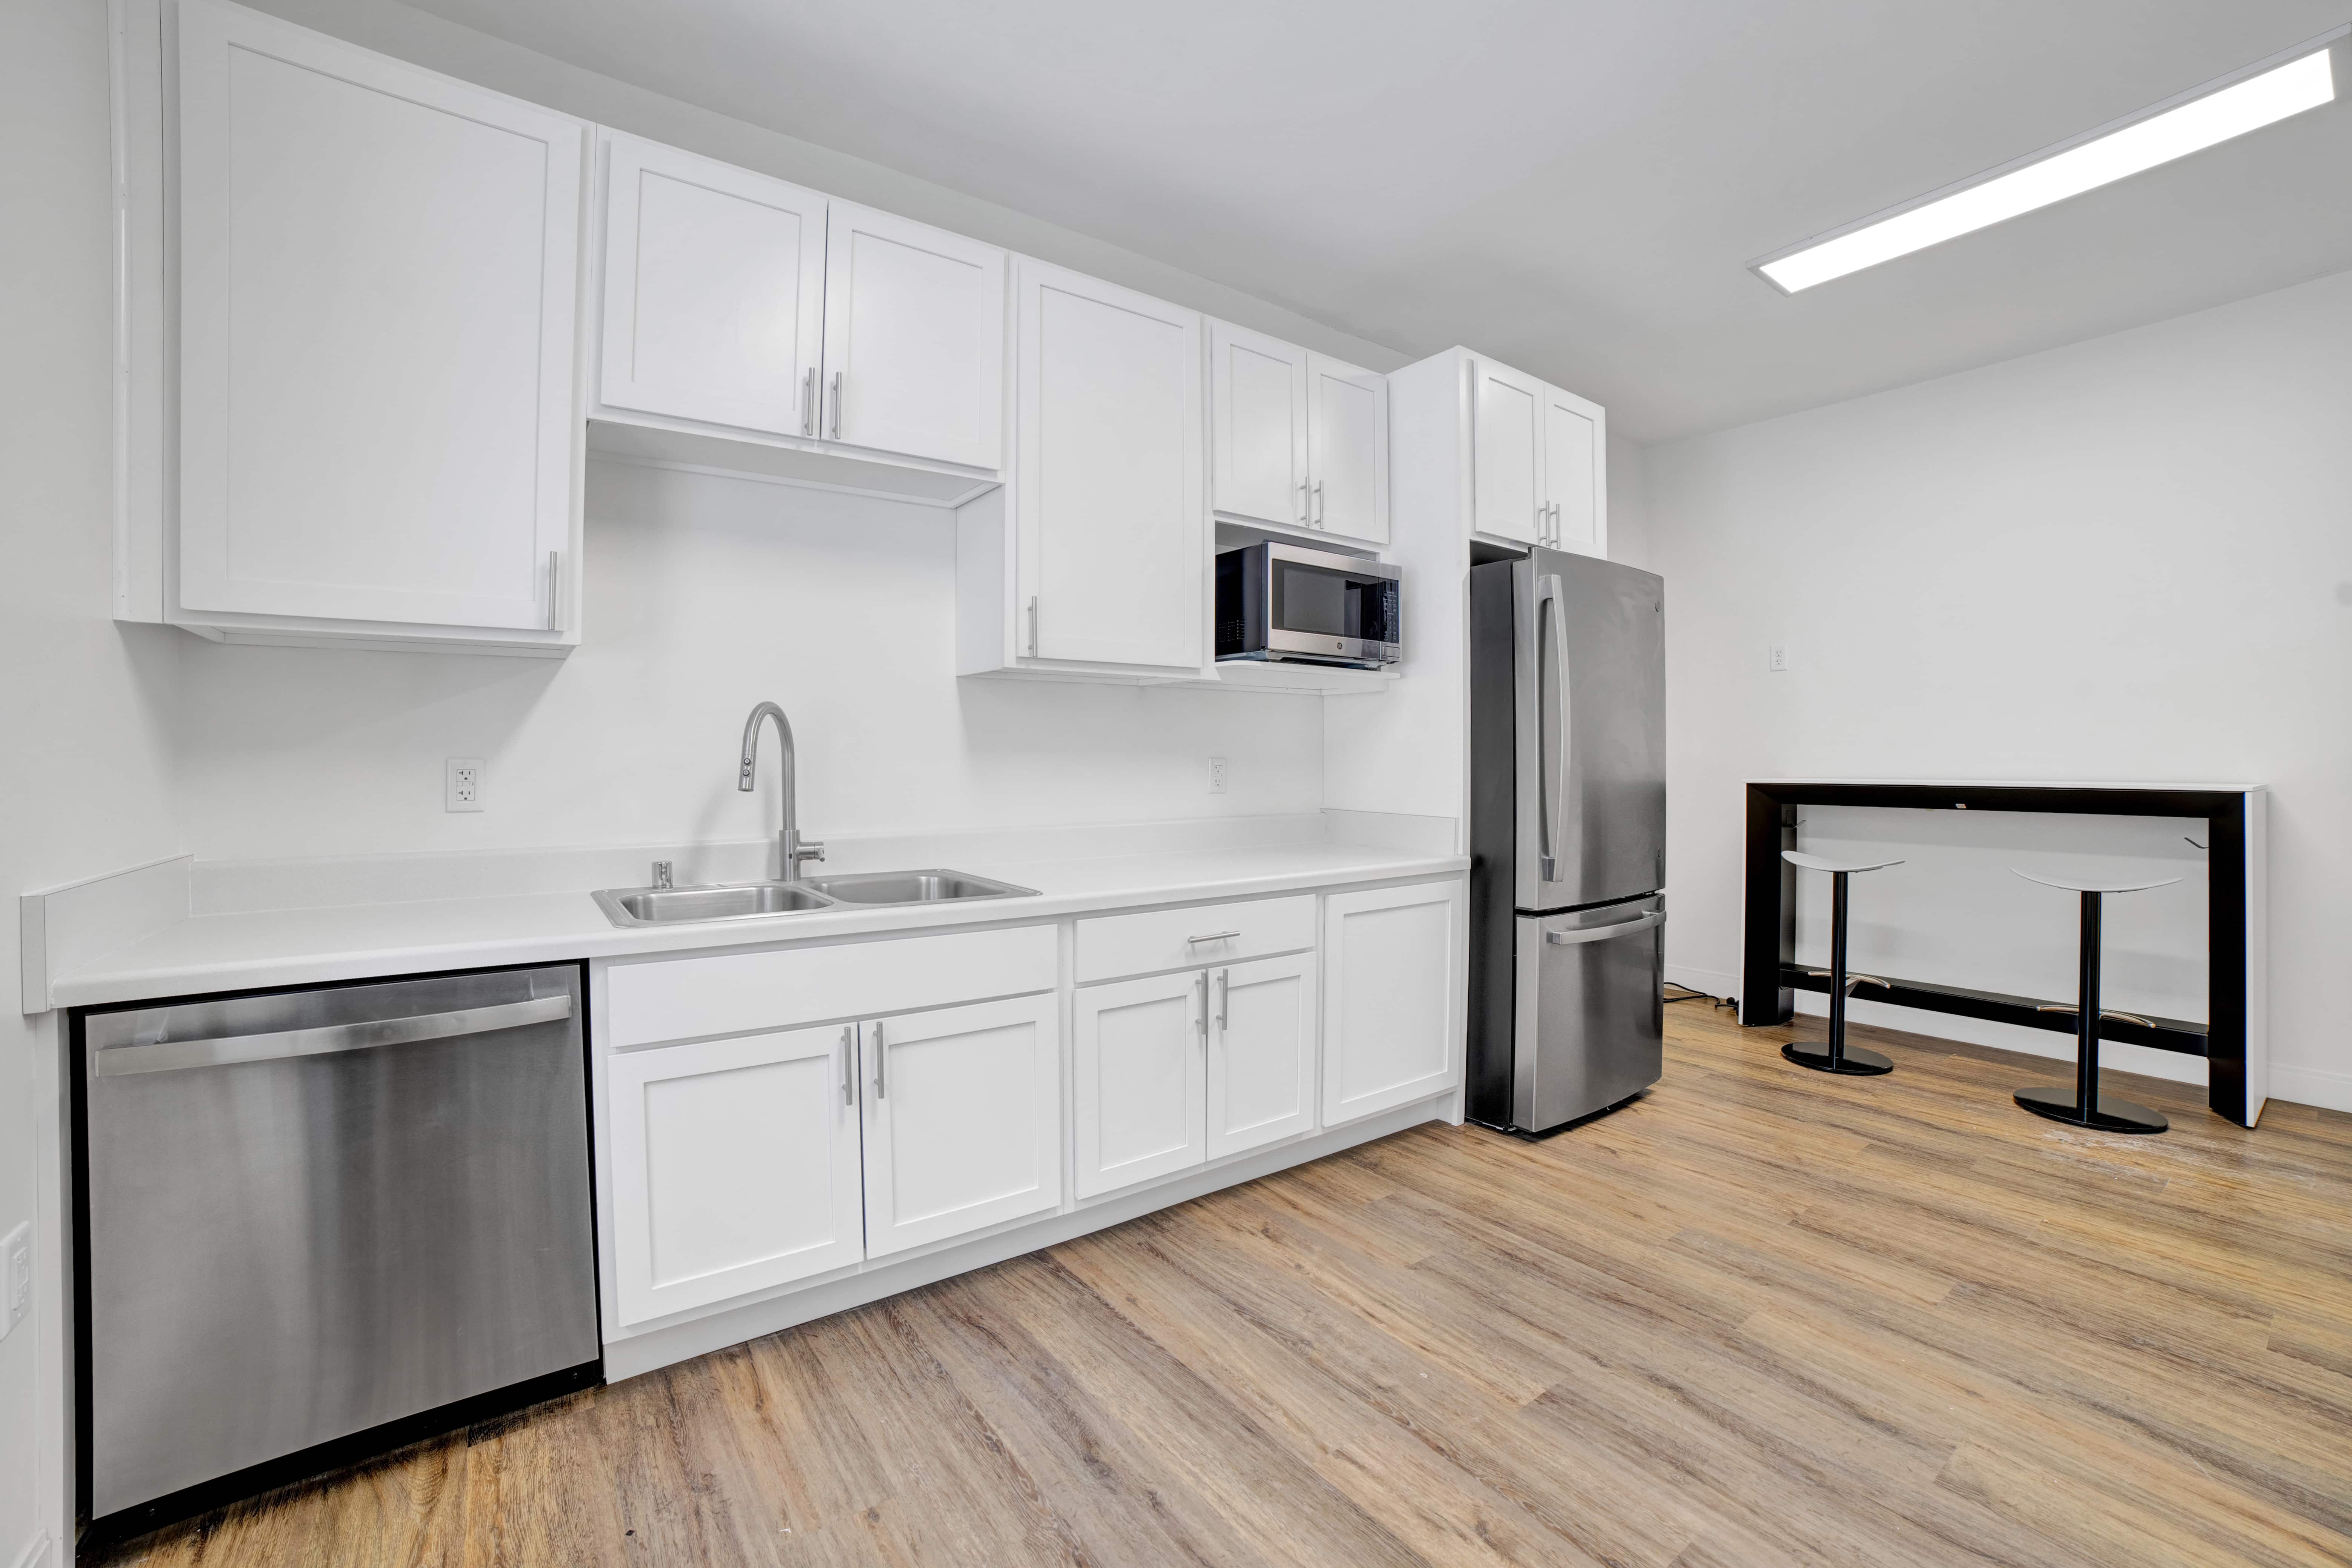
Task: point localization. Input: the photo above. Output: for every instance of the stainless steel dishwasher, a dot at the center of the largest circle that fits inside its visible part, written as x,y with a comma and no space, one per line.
319,1224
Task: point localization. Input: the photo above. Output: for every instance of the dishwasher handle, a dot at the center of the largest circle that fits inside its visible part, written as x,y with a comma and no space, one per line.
169,1056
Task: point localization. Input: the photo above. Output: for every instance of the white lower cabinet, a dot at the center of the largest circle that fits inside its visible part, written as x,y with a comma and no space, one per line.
1175,1070
735,1167
964,1119
1393,997
1261,1083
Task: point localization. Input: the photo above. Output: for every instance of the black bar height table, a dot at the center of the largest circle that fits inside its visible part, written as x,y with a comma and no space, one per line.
2235,1041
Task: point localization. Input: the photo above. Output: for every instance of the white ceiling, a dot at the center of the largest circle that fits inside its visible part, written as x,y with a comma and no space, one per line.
1575,186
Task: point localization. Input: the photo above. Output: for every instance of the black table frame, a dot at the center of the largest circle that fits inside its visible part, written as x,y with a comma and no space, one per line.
1770,977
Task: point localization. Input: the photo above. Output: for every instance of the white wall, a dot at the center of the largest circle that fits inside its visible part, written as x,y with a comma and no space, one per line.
2126,559
705,595
79,780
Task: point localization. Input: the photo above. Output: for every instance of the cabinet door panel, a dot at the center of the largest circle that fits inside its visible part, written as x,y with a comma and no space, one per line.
1258,417
377,288
1347,456
735,1168
1506,438
1141,1049
914,339
1573,476
1262,1069
964,1119
1393,997
714,289
1113,540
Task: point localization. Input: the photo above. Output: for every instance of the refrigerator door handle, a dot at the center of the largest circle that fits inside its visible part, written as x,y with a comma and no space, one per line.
1654,919
1551,779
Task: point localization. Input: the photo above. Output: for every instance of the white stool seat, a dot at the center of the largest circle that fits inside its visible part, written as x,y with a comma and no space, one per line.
1815,863
2074,887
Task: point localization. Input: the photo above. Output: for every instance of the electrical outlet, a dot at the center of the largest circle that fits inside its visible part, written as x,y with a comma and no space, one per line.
1216,775
17,1276
461,787
1776,659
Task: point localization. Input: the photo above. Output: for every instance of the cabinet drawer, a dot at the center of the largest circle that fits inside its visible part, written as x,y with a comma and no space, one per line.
1116,945
732,993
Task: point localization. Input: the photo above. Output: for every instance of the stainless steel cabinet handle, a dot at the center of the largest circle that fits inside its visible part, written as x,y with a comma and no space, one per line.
555,590
1201,1019
169,1055
1033,626
1212,936
1552,792
881,1060
1225,996
808,401
1654,919
848,1049
1318,504
1302,503
837,406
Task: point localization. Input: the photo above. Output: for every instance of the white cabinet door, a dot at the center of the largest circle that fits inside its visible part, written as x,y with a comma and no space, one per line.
1348,450
377,272
964,1119
1261,1083
1574,480
1113,535
735,1167
714,290
1507,450
1393,997
914,340
1257,427
1141,1062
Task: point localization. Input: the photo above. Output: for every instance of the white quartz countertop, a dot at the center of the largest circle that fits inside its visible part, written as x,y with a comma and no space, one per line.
257,949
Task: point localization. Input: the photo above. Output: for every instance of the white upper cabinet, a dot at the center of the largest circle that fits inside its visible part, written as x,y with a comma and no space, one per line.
735,1167
1506,413
964,1119
1257,404
1348,451
1297,439
714,290
1575,476
1112,532
914,340
377,430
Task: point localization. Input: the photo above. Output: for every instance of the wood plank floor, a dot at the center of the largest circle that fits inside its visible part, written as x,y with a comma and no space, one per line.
1760,1317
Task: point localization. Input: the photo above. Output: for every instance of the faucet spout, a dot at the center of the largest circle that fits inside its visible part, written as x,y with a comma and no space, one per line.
790,849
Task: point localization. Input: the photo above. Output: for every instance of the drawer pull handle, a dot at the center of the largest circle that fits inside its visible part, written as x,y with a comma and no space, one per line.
1212,936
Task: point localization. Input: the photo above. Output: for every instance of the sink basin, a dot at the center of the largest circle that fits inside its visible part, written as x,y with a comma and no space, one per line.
726,901
932,887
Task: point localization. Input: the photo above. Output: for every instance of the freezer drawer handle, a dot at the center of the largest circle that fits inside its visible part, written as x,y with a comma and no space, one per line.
1602,934
169,1055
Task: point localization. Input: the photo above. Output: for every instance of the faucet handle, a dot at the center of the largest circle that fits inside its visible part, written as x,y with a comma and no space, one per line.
810,849
661,874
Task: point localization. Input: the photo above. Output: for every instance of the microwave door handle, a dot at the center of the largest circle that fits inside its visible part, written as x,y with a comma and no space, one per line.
1551,778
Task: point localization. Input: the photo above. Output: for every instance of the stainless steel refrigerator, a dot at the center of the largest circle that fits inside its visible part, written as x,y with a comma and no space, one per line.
1568,837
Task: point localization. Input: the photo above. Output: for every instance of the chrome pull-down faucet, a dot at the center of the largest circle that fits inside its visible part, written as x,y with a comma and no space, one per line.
791,849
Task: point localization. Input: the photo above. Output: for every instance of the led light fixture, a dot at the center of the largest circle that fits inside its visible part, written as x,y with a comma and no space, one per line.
2245,101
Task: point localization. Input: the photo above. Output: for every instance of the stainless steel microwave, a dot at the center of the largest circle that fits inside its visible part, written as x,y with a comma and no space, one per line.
1280,601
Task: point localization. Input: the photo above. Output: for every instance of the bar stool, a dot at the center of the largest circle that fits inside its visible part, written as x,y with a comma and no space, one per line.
1835,1054
2084,1105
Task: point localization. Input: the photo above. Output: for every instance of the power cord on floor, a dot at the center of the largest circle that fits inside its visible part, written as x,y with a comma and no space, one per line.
1688,995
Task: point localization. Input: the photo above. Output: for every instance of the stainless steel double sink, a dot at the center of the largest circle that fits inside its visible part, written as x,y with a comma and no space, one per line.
751,900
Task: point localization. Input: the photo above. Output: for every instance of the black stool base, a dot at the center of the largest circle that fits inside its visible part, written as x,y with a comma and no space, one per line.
1858,1062
2106,1116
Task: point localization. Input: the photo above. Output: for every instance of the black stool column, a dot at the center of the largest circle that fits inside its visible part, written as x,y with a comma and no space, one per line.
2084,1105
1835,1056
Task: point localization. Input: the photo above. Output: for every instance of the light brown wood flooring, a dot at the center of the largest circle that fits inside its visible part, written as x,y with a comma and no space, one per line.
1760,1317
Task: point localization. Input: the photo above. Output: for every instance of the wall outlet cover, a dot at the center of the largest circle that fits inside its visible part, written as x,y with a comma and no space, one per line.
1216,775
16,1278
1776,657
461,784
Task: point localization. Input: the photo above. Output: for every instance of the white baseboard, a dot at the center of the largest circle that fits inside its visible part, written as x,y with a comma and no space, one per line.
2312,1086
1713,982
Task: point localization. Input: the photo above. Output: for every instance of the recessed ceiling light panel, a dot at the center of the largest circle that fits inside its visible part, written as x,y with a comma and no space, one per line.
2244,101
